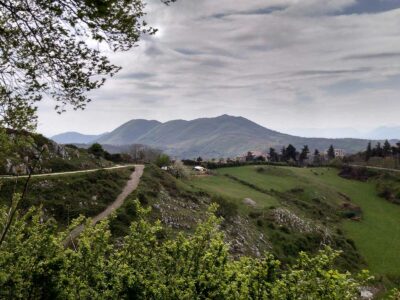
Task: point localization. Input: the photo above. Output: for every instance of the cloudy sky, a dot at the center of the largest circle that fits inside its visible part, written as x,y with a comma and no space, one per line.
285,64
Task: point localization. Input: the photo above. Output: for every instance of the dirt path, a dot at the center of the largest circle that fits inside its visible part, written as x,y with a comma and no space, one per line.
375,168
130,186
66,173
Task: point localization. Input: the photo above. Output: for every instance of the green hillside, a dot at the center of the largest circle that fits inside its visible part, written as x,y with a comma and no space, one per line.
66,197
376,236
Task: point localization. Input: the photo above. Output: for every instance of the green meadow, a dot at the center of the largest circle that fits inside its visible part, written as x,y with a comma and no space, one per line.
376,235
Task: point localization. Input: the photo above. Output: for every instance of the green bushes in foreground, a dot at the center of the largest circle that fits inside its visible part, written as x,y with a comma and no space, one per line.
34,264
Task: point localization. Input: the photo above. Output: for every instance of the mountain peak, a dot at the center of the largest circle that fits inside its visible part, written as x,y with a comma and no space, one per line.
226,116
222,136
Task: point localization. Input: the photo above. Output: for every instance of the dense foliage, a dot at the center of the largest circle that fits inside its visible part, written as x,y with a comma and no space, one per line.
384,155
55,48
34,264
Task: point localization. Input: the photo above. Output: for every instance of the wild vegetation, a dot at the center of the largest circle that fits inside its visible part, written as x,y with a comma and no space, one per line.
22,152
65,198
384,155
34,264
348,214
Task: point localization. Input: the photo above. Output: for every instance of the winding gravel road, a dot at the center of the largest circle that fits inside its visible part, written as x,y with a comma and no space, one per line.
130,186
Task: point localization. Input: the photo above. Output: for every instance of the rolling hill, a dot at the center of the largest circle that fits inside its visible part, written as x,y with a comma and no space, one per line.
222,136
72,137
128,133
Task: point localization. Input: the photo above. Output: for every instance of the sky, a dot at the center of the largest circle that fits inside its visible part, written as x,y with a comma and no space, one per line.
289,65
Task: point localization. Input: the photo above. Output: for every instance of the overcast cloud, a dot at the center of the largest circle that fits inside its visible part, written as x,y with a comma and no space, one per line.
282,63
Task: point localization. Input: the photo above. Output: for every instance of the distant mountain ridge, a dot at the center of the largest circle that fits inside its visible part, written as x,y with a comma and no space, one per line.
379,133
385,132
73,137
223,136
128,133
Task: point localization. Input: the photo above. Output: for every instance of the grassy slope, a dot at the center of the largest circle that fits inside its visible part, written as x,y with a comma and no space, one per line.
169,198
72,195
377,236
74,163
226,187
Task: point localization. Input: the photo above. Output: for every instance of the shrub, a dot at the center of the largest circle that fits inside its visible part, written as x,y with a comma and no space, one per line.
260,169
163,160
226,209
35,264
96,149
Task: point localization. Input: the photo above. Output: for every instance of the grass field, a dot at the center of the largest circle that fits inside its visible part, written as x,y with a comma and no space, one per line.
376,236
226,187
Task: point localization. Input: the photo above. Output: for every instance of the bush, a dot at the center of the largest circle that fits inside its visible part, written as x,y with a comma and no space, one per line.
226,209
35,264
163,160
97,150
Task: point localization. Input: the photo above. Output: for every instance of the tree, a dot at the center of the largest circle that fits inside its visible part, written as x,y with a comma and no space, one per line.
179,170
283,153
387,149
199,159
291,153
52,48
163,160
331,152
378,151
97,150
304,154
141,153
250,157
317,157
273,156
368,153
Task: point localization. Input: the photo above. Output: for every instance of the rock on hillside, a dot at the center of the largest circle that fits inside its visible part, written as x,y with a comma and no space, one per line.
55,158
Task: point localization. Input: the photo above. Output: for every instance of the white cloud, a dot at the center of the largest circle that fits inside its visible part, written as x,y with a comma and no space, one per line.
284,64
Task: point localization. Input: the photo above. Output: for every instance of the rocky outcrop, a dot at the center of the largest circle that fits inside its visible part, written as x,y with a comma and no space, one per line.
285,217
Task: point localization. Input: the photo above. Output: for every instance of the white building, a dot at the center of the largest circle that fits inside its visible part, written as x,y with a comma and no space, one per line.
340,153
199,169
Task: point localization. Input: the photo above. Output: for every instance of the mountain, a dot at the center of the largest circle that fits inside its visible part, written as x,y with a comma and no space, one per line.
381,133
128,133
74,138
332,133
222,136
